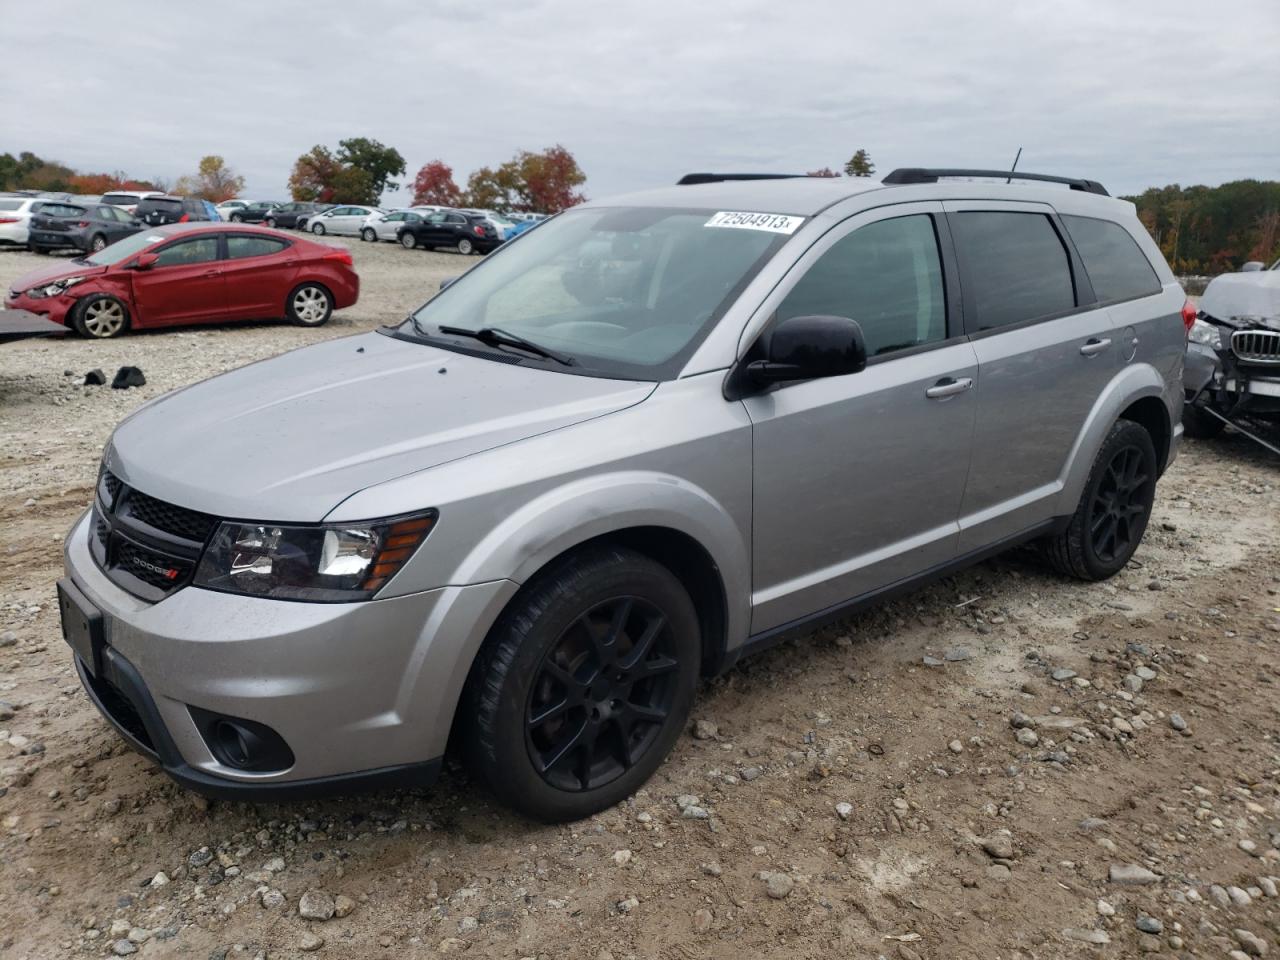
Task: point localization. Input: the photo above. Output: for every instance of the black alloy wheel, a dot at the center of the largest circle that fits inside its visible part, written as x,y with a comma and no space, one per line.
1120,506
601,695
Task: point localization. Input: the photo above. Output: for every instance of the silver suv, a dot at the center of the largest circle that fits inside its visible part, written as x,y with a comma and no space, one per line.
658,433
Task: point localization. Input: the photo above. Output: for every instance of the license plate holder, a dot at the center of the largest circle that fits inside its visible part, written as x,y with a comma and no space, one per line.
81,625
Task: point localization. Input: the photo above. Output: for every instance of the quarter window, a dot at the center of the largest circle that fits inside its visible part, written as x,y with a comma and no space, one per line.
887,276
240,247
1016,267
197,250
1117,267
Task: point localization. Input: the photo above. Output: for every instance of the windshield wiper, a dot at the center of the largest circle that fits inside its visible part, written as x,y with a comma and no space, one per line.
497,337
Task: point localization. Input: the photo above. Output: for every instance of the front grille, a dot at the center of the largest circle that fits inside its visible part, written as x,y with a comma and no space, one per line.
146,546
178,521
1256,346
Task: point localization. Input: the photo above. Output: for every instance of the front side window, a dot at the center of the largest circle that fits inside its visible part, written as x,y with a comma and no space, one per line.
1117,267
1016,267
623,292
186,252
239,247
887,276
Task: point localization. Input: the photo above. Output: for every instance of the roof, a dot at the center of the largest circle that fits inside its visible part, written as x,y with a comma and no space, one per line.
799,196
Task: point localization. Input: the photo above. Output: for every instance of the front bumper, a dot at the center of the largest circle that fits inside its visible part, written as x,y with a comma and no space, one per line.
363,694
53,308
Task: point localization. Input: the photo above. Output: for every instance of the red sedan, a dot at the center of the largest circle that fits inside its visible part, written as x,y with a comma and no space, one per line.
189,273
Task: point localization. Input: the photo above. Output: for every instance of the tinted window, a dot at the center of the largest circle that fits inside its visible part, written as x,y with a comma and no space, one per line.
887,276
119,199
1016,266
239,247
1116,265
112,214
197,250
61,210
454,218
159,203
10,204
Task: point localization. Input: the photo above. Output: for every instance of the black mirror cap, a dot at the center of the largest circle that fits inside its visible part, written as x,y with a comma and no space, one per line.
446,281
809,347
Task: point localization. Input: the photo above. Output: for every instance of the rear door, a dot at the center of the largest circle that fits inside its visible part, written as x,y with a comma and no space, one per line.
259,273
185,285
1045,351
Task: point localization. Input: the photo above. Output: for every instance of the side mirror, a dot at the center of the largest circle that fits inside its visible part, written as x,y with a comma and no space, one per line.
145,261
1253,266
446,281
806,348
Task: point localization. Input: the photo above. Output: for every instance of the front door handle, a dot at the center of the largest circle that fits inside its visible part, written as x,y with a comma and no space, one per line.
1094,346
949,387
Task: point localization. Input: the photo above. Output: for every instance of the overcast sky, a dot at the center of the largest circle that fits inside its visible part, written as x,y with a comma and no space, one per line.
1133,93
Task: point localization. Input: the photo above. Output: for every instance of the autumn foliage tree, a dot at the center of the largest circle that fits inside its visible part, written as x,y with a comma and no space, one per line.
318,175
434,186
214,181
824,172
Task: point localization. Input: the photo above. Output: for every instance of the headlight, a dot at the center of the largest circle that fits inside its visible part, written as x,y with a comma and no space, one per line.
327,563
55,288
1206,333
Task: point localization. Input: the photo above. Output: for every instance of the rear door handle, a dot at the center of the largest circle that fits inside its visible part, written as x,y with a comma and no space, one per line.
949,387
213,273
1095,346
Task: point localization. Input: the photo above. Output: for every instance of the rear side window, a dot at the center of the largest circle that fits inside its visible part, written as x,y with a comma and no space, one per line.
240,247
887,276
10,204
1117,267
1016,267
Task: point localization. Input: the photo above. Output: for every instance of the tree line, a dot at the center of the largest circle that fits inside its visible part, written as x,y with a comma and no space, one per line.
1211,230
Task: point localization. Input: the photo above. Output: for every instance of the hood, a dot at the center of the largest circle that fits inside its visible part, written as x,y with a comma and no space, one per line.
290,438
55,271
1255,296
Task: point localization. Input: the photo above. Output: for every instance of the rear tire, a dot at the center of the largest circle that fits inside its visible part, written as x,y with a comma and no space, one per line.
465,246
1114,509
37,249
368,236
310,305
99,316
1200,425
318,229
237,218
408,241
99,242
270,222
583,685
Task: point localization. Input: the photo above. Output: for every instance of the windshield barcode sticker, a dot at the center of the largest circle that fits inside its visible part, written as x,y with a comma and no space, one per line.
773,222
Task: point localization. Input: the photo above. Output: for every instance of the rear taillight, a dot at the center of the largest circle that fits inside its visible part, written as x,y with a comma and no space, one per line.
1188,316
479,230
83,223
184,218
342,256
9,220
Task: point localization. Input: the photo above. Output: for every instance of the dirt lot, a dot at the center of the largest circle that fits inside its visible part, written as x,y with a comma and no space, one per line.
1005,765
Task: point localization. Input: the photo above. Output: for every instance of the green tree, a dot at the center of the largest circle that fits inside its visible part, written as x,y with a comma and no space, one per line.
860,165
378,161
320,176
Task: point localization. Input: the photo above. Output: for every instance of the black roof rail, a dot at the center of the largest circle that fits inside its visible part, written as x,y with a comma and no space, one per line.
692,178
905,175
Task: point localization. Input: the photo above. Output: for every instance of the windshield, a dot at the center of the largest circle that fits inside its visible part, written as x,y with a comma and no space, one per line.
123,249
624,292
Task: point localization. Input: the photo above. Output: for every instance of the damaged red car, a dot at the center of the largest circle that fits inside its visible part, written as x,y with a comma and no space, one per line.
192,273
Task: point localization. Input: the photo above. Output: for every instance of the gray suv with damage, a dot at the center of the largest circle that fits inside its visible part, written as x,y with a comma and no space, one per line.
659,433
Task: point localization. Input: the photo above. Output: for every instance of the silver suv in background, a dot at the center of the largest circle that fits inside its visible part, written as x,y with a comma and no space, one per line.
663,431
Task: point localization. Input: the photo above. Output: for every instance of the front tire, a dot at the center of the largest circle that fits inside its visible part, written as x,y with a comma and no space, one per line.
1114,509
99,317
310,305
584,684
1199,425
408,241
318,229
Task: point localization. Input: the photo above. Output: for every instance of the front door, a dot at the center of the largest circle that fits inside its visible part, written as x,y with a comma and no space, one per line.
1044,356
858,479
185,284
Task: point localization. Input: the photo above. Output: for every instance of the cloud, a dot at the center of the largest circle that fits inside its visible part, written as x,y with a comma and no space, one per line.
1131,94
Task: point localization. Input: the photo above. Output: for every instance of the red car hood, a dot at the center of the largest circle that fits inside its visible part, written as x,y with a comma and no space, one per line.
55,271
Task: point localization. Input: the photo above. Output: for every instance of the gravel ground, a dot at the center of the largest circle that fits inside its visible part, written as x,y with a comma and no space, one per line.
1005,764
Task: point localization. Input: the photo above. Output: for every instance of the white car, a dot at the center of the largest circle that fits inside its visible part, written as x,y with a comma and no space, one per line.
344,221
384,226
127,200
227,207
15,216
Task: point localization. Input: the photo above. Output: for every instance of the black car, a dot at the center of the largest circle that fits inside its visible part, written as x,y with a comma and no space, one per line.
287,215
87,227
157,211
255,212
449,228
